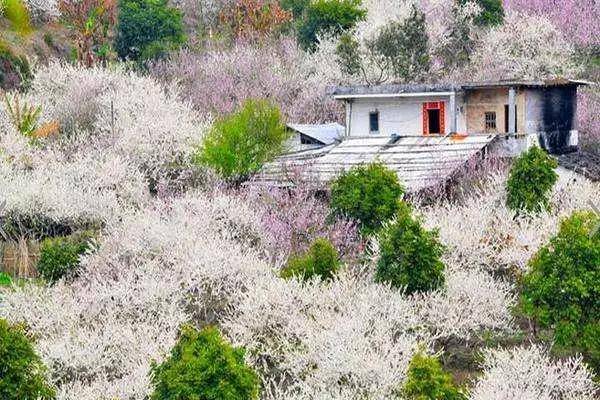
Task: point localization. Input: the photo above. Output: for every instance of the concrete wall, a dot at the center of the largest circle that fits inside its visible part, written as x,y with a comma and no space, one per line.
492,100
551,113
400,115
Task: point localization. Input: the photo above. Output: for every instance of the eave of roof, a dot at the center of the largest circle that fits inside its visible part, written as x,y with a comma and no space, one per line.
324,133
412,90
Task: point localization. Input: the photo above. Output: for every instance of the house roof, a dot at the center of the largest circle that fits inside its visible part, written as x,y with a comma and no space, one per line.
419,161
324,133
394,90
525,83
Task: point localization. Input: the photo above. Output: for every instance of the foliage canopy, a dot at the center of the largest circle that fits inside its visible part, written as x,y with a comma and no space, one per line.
530,182
427,380
402,47
409,254
59,256
561,289
492,12
22,374
367,193
327,17
148,29
202,365
322,259
239,144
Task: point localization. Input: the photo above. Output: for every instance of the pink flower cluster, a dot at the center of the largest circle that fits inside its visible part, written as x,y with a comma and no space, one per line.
218,80
577,19
293,217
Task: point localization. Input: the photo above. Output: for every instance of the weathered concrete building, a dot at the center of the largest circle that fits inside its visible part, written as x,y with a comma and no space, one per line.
521,113
427,133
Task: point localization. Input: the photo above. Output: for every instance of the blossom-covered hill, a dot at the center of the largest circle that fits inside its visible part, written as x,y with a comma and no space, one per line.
113,152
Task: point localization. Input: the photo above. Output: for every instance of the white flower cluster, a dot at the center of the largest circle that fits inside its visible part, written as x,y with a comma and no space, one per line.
482,232
530,374
200,258
529,47
328,341
43,10
119,133
177,262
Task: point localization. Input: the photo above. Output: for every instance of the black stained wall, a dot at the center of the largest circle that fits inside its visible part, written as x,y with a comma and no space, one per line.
552,113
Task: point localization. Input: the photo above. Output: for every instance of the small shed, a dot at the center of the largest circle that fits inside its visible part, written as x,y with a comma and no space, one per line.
314,135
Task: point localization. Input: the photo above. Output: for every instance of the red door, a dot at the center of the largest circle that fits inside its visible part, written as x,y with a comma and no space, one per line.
434,118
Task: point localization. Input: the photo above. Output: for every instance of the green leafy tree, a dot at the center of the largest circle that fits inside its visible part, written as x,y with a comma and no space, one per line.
561,290
202,365
15,11
399,51
367,193
330,17
5,279
296,7
530,181
22,373
322,259
148,29
492,12
239,144
403,47
427,380
59,256
349,56
409,254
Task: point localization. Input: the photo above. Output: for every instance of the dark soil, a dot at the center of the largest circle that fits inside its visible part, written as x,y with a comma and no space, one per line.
585,162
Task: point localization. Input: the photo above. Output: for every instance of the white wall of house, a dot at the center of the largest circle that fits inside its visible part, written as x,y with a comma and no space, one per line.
399,115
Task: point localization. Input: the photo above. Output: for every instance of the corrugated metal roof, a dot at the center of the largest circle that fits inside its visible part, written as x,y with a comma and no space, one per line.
419,161
324,133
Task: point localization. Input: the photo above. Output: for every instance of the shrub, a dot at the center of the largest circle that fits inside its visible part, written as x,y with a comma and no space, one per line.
239,144
328,17
530,182
426,379
492,12
561,289
17,14
91,23
5,279
367,193
204,366
22,374
409,254
321,260
24,117
147,29
15,71
59,256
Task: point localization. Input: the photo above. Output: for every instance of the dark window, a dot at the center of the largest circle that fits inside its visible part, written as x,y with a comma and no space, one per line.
506,118
490,121
374,121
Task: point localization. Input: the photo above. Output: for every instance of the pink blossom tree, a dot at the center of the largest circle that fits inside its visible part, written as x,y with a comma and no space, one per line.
577,19
219,79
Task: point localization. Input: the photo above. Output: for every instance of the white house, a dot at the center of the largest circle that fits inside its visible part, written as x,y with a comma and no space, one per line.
524,112
426,133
